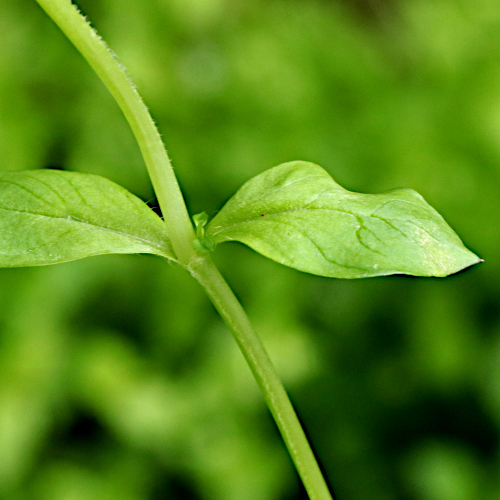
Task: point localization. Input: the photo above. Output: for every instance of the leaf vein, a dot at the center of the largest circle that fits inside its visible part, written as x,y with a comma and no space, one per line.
164,250
257,217
48,186
77,191
360,239
24,188
389,224
328,259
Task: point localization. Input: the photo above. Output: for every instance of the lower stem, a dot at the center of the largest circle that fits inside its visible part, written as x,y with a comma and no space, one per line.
223,298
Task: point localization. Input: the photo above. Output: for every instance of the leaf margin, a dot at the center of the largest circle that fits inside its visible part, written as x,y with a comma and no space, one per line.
313,185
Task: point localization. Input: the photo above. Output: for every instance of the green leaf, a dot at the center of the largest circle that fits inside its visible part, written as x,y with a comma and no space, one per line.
50,216
296,214
201,242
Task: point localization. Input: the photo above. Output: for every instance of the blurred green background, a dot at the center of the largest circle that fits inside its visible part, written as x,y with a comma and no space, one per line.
117,378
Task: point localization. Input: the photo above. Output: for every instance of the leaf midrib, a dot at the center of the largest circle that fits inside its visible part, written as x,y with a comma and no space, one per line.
76,220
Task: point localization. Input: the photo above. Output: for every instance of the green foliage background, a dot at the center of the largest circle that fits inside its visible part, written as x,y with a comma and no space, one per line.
117,378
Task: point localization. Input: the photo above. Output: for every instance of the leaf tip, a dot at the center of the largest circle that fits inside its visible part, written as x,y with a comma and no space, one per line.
460,263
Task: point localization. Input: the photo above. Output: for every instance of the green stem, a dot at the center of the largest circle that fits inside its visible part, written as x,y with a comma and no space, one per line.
181,234
98,55
223,298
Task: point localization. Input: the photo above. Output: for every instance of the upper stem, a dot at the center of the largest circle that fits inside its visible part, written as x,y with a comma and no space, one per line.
92,47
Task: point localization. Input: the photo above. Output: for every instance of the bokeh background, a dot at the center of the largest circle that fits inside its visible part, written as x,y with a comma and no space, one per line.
117,378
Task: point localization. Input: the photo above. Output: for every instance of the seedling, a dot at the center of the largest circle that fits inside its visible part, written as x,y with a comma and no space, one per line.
295,214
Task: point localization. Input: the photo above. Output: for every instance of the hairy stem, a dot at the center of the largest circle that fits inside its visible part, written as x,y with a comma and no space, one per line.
104,63
223,298
181,234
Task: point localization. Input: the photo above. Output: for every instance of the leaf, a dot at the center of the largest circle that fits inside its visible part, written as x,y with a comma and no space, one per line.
296,214
201,242
51,216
